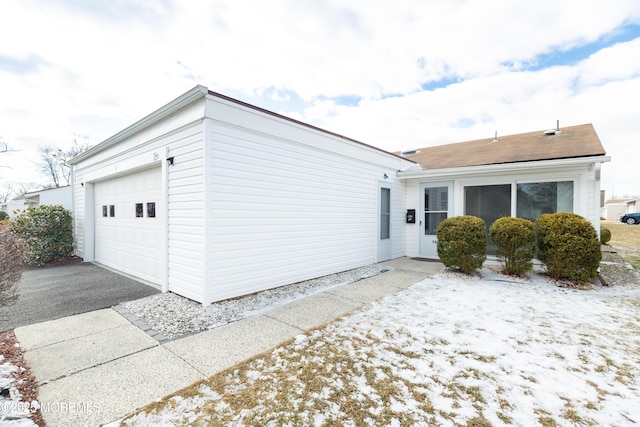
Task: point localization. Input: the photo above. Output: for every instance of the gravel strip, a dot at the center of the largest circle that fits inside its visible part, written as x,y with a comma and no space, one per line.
173,315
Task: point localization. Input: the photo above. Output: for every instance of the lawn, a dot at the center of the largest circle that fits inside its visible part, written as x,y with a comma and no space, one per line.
448,351
626,240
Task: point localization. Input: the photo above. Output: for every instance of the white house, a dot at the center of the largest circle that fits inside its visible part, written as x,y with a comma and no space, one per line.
213,198
13,207
633,205
51,196
522,175
615,208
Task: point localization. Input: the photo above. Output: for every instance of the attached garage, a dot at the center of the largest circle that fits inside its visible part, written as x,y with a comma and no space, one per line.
127,226
212,198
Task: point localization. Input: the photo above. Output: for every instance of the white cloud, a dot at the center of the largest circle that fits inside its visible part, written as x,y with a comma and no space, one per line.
93,68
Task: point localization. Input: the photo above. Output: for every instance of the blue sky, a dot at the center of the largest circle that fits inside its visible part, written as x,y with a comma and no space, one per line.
397,75
581,52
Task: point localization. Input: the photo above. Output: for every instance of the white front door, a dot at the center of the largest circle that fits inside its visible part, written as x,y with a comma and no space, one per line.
384,222
435,206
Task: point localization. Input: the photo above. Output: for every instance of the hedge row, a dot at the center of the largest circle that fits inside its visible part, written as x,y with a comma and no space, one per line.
566,243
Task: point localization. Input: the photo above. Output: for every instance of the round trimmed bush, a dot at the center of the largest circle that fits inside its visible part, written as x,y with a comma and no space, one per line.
47,232
605,235
462,243
516,242
3,215
568,245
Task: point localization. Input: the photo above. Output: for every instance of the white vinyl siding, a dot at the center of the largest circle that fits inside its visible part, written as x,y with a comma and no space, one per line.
252,200
282,211
181,218
585,187
185,212
78,216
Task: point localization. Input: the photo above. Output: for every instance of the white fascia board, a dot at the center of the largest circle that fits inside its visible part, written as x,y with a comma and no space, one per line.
502,167
334,142
173,106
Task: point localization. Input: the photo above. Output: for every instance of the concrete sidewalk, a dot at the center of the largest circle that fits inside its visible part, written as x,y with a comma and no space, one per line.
96,367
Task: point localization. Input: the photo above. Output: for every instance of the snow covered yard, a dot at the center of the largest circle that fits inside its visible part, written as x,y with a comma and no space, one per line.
447,351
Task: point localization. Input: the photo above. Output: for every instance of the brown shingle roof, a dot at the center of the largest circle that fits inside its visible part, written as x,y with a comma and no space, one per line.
570,142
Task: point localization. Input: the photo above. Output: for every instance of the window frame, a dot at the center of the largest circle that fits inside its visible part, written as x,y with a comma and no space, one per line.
514,181
151,209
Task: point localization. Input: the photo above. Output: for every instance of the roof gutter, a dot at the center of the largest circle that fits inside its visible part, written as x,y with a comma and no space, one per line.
502,167
161,113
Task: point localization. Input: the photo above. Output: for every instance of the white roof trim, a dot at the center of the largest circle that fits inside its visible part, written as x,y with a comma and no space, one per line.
502,167
173,106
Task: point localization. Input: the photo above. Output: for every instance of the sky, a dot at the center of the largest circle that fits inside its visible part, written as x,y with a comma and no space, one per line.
396,75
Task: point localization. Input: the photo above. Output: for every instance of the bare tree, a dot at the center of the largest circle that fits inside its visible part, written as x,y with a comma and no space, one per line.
6,192
4,148
49,164
53,162
22,188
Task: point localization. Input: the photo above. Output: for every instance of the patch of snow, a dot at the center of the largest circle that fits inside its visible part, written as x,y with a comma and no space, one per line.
13,411
489,347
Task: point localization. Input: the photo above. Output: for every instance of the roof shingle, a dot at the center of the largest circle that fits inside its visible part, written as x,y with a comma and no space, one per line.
570,142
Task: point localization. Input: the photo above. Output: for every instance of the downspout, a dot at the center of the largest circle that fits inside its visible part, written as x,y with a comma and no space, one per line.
597,173
72,178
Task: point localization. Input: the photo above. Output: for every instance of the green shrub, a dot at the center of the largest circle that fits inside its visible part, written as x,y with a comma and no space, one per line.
3,215
47,233
605,235
516,242
568,245
462,243
11,266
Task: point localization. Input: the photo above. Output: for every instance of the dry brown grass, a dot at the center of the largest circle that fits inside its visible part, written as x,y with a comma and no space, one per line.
350,373
626,240
291,384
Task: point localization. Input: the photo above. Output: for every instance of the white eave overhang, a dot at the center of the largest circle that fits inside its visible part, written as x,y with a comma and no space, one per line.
501,167
161,113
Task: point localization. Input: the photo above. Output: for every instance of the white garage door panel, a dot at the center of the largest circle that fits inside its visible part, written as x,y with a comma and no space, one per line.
124,241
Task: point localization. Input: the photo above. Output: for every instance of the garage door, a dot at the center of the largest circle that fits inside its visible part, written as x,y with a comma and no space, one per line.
128,224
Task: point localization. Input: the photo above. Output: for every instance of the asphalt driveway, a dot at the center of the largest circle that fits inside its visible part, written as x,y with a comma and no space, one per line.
54,292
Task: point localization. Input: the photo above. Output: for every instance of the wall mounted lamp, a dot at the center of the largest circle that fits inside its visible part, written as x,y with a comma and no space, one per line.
386,176
170,161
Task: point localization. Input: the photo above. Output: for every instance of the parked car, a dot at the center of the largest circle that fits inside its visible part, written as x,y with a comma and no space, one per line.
631,218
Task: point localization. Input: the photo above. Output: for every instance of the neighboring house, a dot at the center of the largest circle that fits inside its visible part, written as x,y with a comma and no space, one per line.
633,206
51,196
615,208
13,207
212,198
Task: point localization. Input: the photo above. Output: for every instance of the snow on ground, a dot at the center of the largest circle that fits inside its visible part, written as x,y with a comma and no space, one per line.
13,411
447,351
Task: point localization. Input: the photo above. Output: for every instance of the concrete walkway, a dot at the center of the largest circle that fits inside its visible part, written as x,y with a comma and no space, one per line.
96,367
